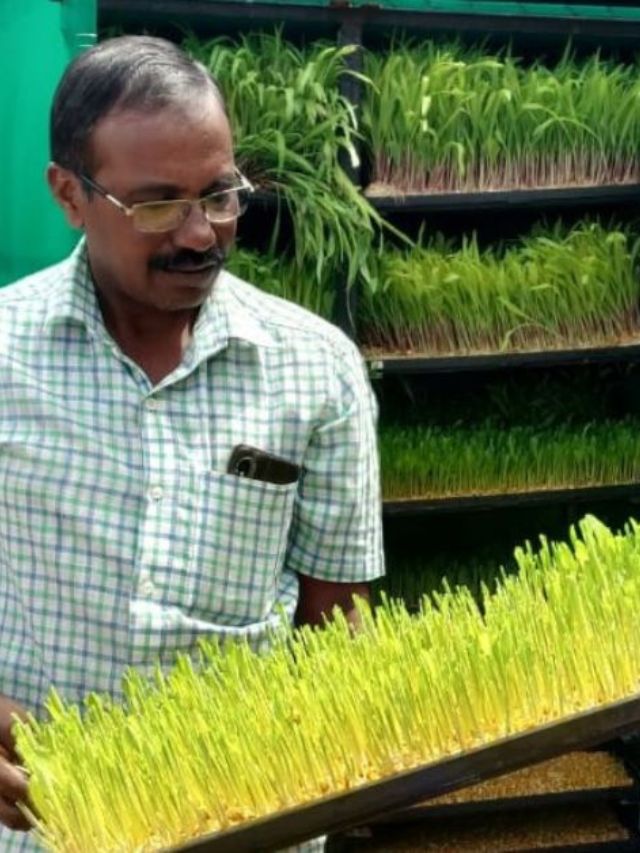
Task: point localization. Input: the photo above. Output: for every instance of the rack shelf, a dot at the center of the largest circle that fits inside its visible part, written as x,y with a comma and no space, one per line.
359,25
498,200
624,27
507,199
477,503
398,365
415,814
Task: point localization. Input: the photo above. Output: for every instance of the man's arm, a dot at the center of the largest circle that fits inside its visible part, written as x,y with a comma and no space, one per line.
318,598
13,784
335,540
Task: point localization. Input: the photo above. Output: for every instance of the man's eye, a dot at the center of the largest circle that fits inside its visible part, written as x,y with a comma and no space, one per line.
219,201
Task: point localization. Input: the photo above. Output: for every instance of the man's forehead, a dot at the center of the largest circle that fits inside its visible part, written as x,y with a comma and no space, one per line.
163,146
201,116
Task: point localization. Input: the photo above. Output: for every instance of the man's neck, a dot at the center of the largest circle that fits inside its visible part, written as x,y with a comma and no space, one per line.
154,340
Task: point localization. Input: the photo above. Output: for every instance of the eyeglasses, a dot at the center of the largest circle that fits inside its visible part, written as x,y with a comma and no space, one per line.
154,217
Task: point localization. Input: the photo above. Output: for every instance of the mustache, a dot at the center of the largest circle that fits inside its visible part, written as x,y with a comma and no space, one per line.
187,259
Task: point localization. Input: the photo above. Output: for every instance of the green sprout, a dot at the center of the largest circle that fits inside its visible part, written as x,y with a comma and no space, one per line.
238,735
445,118
555,289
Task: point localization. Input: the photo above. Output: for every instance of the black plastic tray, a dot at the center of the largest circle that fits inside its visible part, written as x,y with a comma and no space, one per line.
628,846
623,793
634,4
544,198
631,846
389,365
340,811
394,508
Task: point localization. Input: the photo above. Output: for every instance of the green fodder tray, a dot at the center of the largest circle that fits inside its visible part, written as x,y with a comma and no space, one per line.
337,812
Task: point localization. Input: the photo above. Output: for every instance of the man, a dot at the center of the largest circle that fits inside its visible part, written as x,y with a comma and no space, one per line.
131,525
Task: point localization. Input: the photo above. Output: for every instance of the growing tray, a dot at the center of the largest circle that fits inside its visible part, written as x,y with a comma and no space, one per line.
337,812
416,814
402,365
630,846
435,834
600,3
408,507
544,198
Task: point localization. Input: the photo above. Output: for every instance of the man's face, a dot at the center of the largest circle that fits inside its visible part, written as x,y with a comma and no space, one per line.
170,153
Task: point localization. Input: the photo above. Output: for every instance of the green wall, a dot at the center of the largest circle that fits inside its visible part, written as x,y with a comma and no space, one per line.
37,40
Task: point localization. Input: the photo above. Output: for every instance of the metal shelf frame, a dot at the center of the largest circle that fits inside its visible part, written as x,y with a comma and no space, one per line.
623,28
397,365
545,197
356,25
479,503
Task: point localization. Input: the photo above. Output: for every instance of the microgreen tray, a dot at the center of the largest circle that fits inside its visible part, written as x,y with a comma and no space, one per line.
624,793
543,198
540,497
340,811
398,364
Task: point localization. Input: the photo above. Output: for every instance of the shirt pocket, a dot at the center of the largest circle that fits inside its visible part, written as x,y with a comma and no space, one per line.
242,542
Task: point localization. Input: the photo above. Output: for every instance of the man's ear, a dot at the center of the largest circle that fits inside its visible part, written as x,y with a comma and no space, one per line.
67,191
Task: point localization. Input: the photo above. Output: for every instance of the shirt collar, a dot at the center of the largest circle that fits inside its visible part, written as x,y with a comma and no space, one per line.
74,297
223,317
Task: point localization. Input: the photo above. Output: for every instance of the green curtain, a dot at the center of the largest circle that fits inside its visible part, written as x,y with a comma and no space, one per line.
37,40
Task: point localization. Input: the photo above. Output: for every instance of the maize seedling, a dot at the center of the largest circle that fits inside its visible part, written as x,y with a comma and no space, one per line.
292,126
555,289
282,277
445,118
441,462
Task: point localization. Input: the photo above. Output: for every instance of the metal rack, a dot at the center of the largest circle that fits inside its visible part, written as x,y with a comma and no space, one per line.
358,25
478,17
478,503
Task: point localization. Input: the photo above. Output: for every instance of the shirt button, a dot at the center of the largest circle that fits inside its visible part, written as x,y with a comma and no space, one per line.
146,589
152,404
156,493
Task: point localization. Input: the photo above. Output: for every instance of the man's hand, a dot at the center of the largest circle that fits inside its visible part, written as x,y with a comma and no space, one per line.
13,782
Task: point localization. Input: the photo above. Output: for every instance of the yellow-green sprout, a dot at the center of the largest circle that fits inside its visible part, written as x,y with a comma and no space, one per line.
238,735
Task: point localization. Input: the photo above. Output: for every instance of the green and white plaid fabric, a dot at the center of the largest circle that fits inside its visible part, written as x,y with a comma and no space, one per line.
122,539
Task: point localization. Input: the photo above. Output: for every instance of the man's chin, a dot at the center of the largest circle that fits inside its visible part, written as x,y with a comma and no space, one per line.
185,289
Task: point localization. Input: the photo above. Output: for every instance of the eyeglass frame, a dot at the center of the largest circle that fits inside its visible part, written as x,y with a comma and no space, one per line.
130,210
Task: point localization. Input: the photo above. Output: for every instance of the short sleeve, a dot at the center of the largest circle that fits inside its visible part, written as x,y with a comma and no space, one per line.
336,533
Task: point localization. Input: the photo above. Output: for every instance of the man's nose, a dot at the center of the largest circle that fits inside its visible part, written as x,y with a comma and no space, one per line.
195,232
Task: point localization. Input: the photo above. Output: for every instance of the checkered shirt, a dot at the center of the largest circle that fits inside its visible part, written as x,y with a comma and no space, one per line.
122,537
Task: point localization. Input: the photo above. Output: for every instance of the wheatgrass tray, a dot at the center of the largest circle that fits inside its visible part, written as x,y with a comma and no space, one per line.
574,778
585,494
573,829
340,811
390,363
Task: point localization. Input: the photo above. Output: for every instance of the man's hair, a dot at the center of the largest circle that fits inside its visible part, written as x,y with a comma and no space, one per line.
129,72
